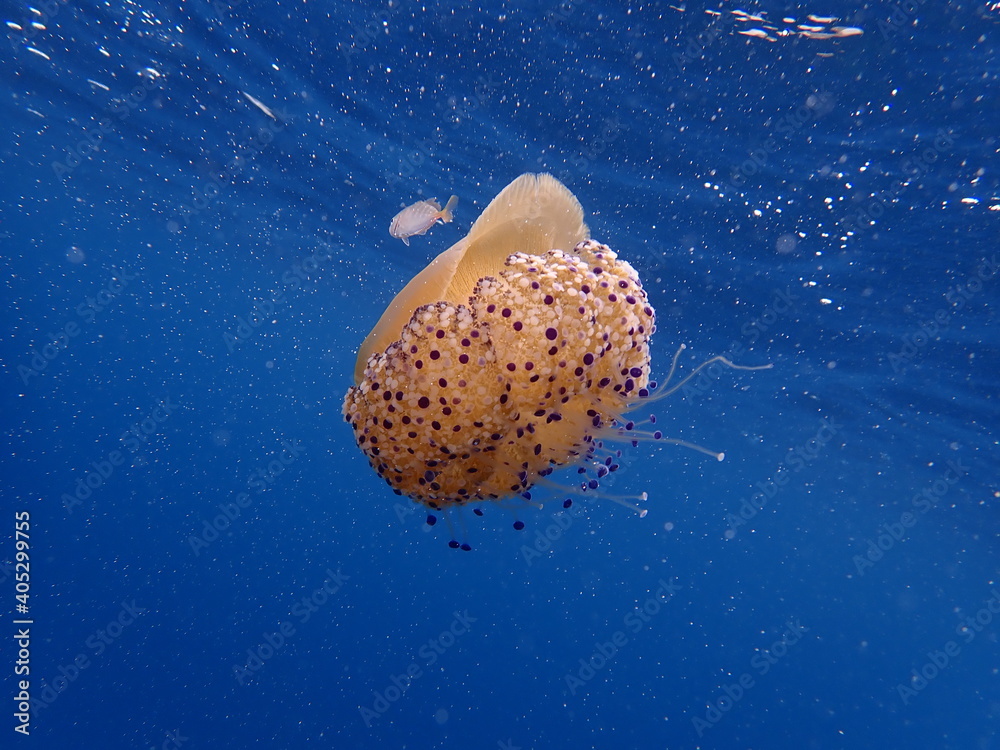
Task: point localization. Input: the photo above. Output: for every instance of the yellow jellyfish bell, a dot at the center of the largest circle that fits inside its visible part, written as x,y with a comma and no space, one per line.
534,214
505,358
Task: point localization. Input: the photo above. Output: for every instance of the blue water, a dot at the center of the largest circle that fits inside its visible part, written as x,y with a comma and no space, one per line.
829,206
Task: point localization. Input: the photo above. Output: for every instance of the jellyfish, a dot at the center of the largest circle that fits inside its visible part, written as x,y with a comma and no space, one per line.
516,352
507,357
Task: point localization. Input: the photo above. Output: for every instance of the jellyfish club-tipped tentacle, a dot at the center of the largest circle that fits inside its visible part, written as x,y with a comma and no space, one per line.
658,392
627,431
598,465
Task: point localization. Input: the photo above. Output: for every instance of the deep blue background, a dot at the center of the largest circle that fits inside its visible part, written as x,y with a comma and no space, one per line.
653,117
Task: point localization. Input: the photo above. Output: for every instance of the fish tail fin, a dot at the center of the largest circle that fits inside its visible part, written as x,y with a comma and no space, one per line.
446,216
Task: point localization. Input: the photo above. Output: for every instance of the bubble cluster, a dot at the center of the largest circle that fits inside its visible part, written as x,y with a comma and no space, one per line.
477,402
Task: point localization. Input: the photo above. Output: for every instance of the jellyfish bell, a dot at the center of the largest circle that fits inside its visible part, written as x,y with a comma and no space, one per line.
517,351
535,213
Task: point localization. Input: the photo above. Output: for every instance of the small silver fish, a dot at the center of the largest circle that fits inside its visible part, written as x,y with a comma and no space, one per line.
420,217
